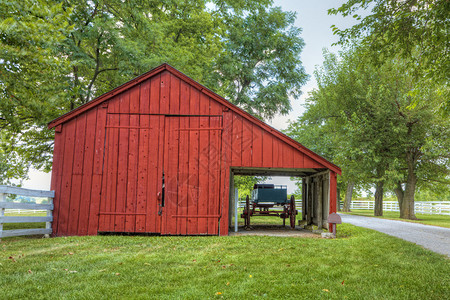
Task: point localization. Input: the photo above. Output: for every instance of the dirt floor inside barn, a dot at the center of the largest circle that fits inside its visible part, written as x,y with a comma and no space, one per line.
274,230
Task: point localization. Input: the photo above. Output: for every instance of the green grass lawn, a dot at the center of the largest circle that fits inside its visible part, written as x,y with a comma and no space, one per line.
436,220
361,264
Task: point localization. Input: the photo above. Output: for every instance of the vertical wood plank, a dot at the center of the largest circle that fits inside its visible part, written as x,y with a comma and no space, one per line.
236,141
75,198
298,159
193,163
172,176
69,145
154,177
167,184
317,165
133,153
122,169
184,98
109,182
183,171
214,176
161,151
88,163
174,98
225,176
165,93
247,143
333,192
96,197
257,146
276,153
155,150
155,88
215,107
203,186
310,201
58,158
267,150
319,202
75,195
79,144
307,162
288,156
142,184
143,165
304,197
99,163
100,136
214,166
183,164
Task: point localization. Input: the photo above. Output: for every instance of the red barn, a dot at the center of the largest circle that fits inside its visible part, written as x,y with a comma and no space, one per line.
158,155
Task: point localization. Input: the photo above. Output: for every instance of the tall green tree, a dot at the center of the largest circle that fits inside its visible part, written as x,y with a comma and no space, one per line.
59,54
260,67
385,140
417,31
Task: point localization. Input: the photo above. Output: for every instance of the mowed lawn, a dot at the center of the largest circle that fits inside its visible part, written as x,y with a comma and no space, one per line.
360,264
436,220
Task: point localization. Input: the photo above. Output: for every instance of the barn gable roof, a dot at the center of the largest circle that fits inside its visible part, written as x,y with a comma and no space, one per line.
166,67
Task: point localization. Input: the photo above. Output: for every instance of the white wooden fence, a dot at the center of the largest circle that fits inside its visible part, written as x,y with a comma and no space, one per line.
420,207
4,190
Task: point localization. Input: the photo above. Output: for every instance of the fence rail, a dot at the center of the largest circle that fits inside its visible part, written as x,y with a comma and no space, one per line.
421,207
25,208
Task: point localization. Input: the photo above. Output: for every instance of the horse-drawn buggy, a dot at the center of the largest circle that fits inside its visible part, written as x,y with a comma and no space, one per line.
270,200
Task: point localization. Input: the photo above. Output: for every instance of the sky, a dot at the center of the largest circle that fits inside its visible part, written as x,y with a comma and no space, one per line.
315,22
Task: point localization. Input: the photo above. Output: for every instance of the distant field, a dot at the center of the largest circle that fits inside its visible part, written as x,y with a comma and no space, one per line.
436,220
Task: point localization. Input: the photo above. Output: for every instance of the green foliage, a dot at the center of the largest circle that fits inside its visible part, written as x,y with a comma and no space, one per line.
260,66
416,30
376,122
245,184
57,55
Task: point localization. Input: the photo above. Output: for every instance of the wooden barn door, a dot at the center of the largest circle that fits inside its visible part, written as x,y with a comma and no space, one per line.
133,166
191,175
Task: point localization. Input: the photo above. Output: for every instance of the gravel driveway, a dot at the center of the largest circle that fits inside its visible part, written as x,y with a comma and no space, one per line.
435,238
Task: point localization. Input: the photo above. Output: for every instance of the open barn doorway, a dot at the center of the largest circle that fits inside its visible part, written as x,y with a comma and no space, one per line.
309,188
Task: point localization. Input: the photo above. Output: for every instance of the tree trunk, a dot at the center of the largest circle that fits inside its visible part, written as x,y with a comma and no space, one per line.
407,206
406,197
379,191
400,194
348,196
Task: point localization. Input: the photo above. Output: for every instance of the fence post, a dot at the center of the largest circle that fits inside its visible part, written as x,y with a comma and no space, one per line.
48,225
2,213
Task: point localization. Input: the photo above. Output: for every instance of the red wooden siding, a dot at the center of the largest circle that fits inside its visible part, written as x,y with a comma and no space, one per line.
110,159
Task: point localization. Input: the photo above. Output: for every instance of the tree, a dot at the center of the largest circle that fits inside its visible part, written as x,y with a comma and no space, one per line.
245,184
417,31
260,66
381,136
57,55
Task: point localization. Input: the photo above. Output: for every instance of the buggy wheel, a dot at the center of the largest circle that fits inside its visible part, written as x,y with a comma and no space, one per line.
292,212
